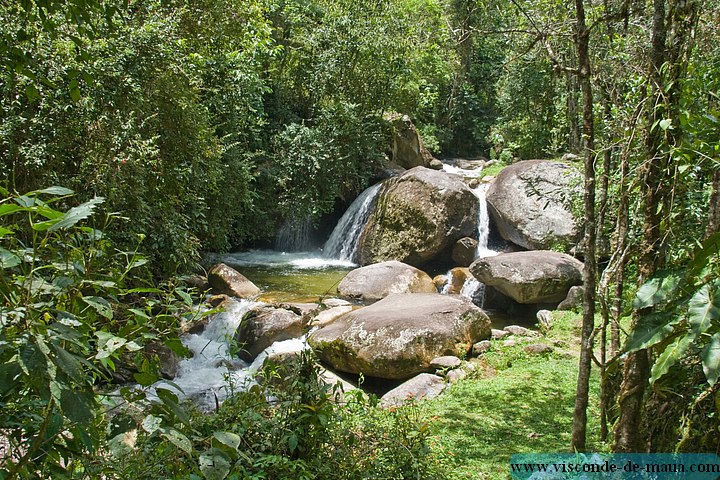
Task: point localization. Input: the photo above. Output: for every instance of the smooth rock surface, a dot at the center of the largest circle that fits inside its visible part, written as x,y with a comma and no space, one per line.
377,281
399,336
423,386
530,277
529,201
226,280
264,325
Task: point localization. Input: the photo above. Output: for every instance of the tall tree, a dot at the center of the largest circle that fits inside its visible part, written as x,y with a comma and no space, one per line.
672,24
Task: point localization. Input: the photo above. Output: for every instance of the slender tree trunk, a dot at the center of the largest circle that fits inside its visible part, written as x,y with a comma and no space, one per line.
671,44
574,137
714,214
582,39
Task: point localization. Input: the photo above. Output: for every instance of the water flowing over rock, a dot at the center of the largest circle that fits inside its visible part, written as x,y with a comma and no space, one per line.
400,336
530,277
419,216
295,236
529,203
226,280
482,249
264,325
345,237
377,281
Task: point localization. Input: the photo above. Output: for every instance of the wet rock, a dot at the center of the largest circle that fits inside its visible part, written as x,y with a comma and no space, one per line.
264,325
418,218
463,253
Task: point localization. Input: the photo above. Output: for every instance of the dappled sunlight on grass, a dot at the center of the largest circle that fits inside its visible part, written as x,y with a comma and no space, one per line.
525,406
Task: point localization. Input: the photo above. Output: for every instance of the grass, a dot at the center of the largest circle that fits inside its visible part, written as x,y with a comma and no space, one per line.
514,403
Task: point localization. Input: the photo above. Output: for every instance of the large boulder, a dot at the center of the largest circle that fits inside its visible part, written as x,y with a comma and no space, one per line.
408,150
377,281
226,280
401,335
539,276
419,216
264,325
529,202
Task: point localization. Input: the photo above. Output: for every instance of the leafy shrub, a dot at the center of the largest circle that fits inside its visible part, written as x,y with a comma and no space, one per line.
63,330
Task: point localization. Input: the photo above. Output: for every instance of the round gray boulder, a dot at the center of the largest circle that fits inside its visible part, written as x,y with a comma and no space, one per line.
529,202
377,281
401,335
226,280
530,277
419,216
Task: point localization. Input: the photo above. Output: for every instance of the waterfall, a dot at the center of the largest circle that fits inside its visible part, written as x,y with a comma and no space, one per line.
483,223
345,238
294,236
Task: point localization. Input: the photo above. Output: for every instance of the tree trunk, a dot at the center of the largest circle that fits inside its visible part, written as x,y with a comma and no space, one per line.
671,36
713,225
582,39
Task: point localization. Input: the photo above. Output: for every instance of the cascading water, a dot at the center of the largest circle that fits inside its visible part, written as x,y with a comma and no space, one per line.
483,223
207,375
294,236
345,238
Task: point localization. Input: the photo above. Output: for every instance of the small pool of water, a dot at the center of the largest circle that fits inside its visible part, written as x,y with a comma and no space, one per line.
289,277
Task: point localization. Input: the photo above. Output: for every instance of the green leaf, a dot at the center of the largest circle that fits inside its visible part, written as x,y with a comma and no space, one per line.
151,424
32,93
711,359
670,356
704,308
8,374
55,190
9,208
656,291
77,406
229,439
100,305
214,466
666,123
293,442
650,329
177,439
108,344
75,214
170,400
67,362
8,259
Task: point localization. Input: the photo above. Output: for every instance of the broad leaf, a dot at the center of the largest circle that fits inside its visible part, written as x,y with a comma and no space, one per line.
8,208
170,400
67,362
229,439
656,291
711,359
71,217
704,308
108,344
214,466
670,356
177,439
8,259
77,406
650,329
100,305
151,424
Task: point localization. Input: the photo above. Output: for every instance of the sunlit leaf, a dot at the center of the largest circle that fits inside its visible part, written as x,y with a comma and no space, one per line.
670,356
704,308
651,329
178,439
229,439
8,259
100,305
151,423
213,465
76,214
711,359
